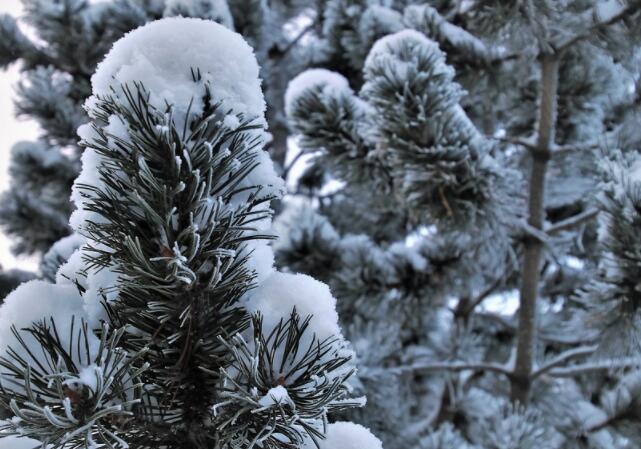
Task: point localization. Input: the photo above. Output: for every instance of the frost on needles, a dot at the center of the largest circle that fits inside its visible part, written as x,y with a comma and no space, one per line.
169,327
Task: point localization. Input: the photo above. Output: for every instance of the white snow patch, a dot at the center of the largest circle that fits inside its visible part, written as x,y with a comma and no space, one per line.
276,396
14,442
347,435
280,293
37,301
161,55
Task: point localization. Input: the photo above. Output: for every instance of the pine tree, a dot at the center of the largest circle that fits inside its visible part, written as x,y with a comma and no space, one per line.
169,327
70,38
477,126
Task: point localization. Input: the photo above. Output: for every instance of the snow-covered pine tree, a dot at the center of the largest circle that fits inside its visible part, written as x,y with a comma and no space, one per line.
58,52
169,327
492,195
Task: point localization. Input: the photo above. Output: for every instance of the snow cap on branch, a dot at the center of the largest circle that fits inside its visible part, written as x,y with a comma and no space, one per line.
281,292
161,54
328,81
33,302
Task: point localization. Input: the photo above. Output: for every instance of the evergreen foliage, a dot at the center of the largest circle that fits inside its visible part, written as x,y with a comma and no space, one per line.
463,177
169,327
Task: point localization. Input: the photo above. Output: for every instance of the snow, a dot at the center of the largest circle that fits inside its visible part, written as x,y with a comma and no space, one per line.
280,293
19,443
89,376
261,260
161,55
64,248
606,11
276,396
91,160
102,286
33,302
331,83
231,121
347,435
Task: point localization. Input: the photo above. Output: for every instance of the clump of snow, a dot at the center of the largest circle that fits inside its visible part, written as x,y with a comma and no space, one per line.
91,160
231,121
161,55
14,442
261,261
280,293
216,10
348,435
102,286
66,246
276,396
330,82
61,251
33,302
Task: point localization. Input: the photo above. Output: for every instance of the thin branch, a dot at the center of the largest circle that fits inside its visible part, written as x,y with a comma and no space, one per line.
586,368
572,222
282,53
483,294
562,358
526,143
451,366
288,168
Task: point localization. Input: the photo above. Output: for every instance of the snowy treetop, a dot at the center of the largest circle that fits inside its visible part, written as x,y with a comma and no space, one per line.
161,54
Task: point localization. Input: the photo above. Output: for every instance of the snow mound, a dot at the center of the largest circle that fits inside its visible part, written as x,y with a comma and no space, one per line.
161,55
33,302
19,443
330,82
347,435
280,293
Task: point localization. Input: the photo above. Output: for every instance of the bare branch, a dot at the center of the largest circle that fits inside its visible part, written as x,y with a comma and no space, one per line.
562,358
484,294
586,368
572,222
282,53
451,366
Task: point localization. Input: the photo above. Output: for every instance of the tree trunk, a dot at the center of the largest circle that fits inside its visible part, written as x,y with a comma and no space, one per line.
521,380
